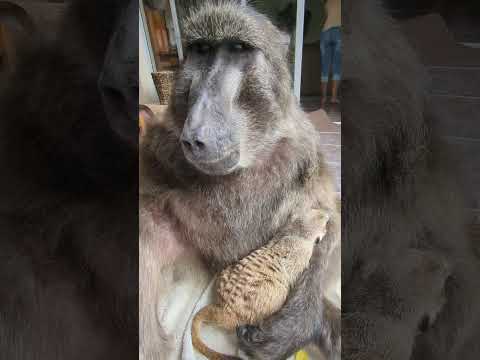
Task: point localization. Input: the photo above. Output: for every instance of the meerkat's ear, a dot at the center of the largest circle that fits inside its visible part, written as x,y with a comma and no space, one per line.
319,216
146,119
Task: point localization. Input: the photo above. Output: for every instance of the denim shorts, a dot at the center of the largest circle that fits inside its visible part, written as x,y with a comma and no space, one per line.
331,53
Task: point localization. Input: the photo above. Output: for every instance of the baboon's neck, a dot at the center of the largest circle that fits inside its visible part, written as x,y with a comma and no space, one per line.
249,206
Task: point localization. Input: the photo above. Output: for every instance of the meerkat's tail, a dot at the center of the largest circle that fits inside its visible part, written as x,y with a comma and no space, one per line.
208,314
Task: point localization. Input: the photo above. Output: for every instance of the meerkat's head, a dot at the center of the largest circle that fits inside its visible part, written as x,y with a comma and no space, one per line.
315,224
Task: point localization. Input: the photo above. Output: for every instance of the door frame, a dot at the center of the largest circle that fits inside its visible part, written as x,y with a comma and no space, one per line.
299,28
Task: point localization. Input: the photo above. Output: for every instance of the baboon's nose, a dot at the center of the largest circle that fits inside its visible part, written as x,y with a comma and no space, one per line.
194,146
200,144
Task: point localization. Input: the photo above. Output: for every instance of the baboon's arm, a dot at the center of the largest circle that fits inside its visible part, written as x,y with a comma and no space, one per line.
304,318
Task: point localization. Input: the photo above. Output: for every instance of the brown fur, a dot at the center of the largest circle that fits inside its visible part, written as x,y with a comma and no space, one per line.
257,286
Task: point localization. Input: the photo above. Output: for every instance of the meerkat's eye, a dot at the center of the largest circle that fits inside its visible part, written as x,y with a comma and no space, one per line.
317,240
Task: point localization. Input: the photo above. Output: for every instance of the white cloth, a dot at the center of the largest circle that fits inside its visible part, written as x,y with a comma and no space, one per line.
194,288
216,339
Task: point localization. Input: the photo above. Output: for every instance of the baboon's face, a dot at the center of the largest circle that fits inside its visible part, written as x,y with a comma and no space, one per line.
216,122
229,86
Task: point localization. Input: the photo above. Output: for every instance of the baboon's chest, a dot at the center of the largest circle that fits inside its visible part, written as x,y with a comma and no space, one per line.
246,220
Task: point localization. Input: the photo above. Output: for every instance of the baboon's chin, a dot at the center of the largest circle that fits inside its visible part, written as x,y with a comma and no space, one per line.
220,167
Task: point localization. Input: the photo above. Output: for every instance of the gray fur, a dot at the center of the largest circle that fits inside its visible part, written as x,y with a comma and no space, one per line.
265,77
399,195
280,173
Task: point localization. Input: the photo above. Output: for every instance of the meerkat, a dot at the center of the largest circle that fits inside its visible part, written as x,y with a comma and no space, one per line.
257,286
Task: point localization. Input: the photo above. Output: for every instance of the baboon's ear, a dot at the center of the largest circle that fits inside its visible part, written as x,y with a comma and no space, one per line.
146,119
285,42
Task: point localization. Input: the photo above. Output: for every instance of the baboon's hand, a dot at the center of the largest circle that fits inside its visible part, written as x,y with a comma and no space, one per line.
276,338
300,321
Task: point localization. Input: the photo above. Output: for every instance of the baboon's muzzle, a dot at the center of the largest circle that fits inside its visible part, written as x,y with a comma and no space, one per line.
210,138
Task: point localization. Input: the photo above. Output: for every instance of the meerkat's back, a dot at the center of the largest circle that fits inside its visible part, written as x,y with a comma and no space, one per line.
258,285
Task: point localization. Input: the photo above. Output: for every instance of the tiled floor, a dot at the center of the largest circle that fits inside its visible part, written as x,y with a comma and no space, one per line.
313,103
330,135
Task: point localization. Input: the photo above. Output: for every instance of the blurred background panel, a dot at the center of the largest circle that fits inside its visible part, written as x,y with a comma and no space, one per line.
461,16
44,15
446,36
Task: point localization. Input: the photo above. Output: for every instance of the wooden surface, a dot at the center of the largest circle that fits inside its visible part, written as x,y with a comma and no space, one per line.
331,137
165,55
158,30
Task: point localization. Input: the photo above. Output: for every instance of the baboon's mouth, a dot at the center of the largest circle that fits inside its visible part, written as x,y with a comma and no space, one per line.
220,166
225,155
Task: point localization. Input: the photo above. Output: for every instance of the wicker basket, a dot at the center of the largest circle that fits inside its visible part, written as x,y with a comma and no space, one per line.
164,81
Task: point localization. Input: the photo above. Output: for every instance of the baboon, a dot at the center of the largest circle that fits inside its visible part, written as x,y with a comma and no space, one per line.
69,189
226,173
257,286
399,194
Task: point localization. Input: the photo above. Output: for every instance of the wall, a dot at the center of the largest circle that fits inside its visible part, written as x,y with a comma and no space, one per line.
148,94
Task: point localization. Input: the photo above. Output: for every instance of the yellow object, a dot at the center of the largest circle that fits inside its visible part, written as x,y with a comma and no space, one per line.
301,355
141,122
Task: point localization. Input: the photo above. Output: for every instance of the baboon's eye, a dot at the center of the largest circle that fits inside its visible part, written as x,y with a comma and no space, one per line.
201,48
238,47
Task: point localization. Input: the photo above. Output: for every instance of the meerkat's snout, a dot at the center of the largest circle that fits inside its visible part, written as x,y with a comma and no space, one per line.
317,223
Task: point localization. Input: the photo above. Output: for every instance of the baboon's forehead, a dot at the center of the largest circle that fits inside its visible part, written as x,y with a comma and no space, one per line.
227,20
